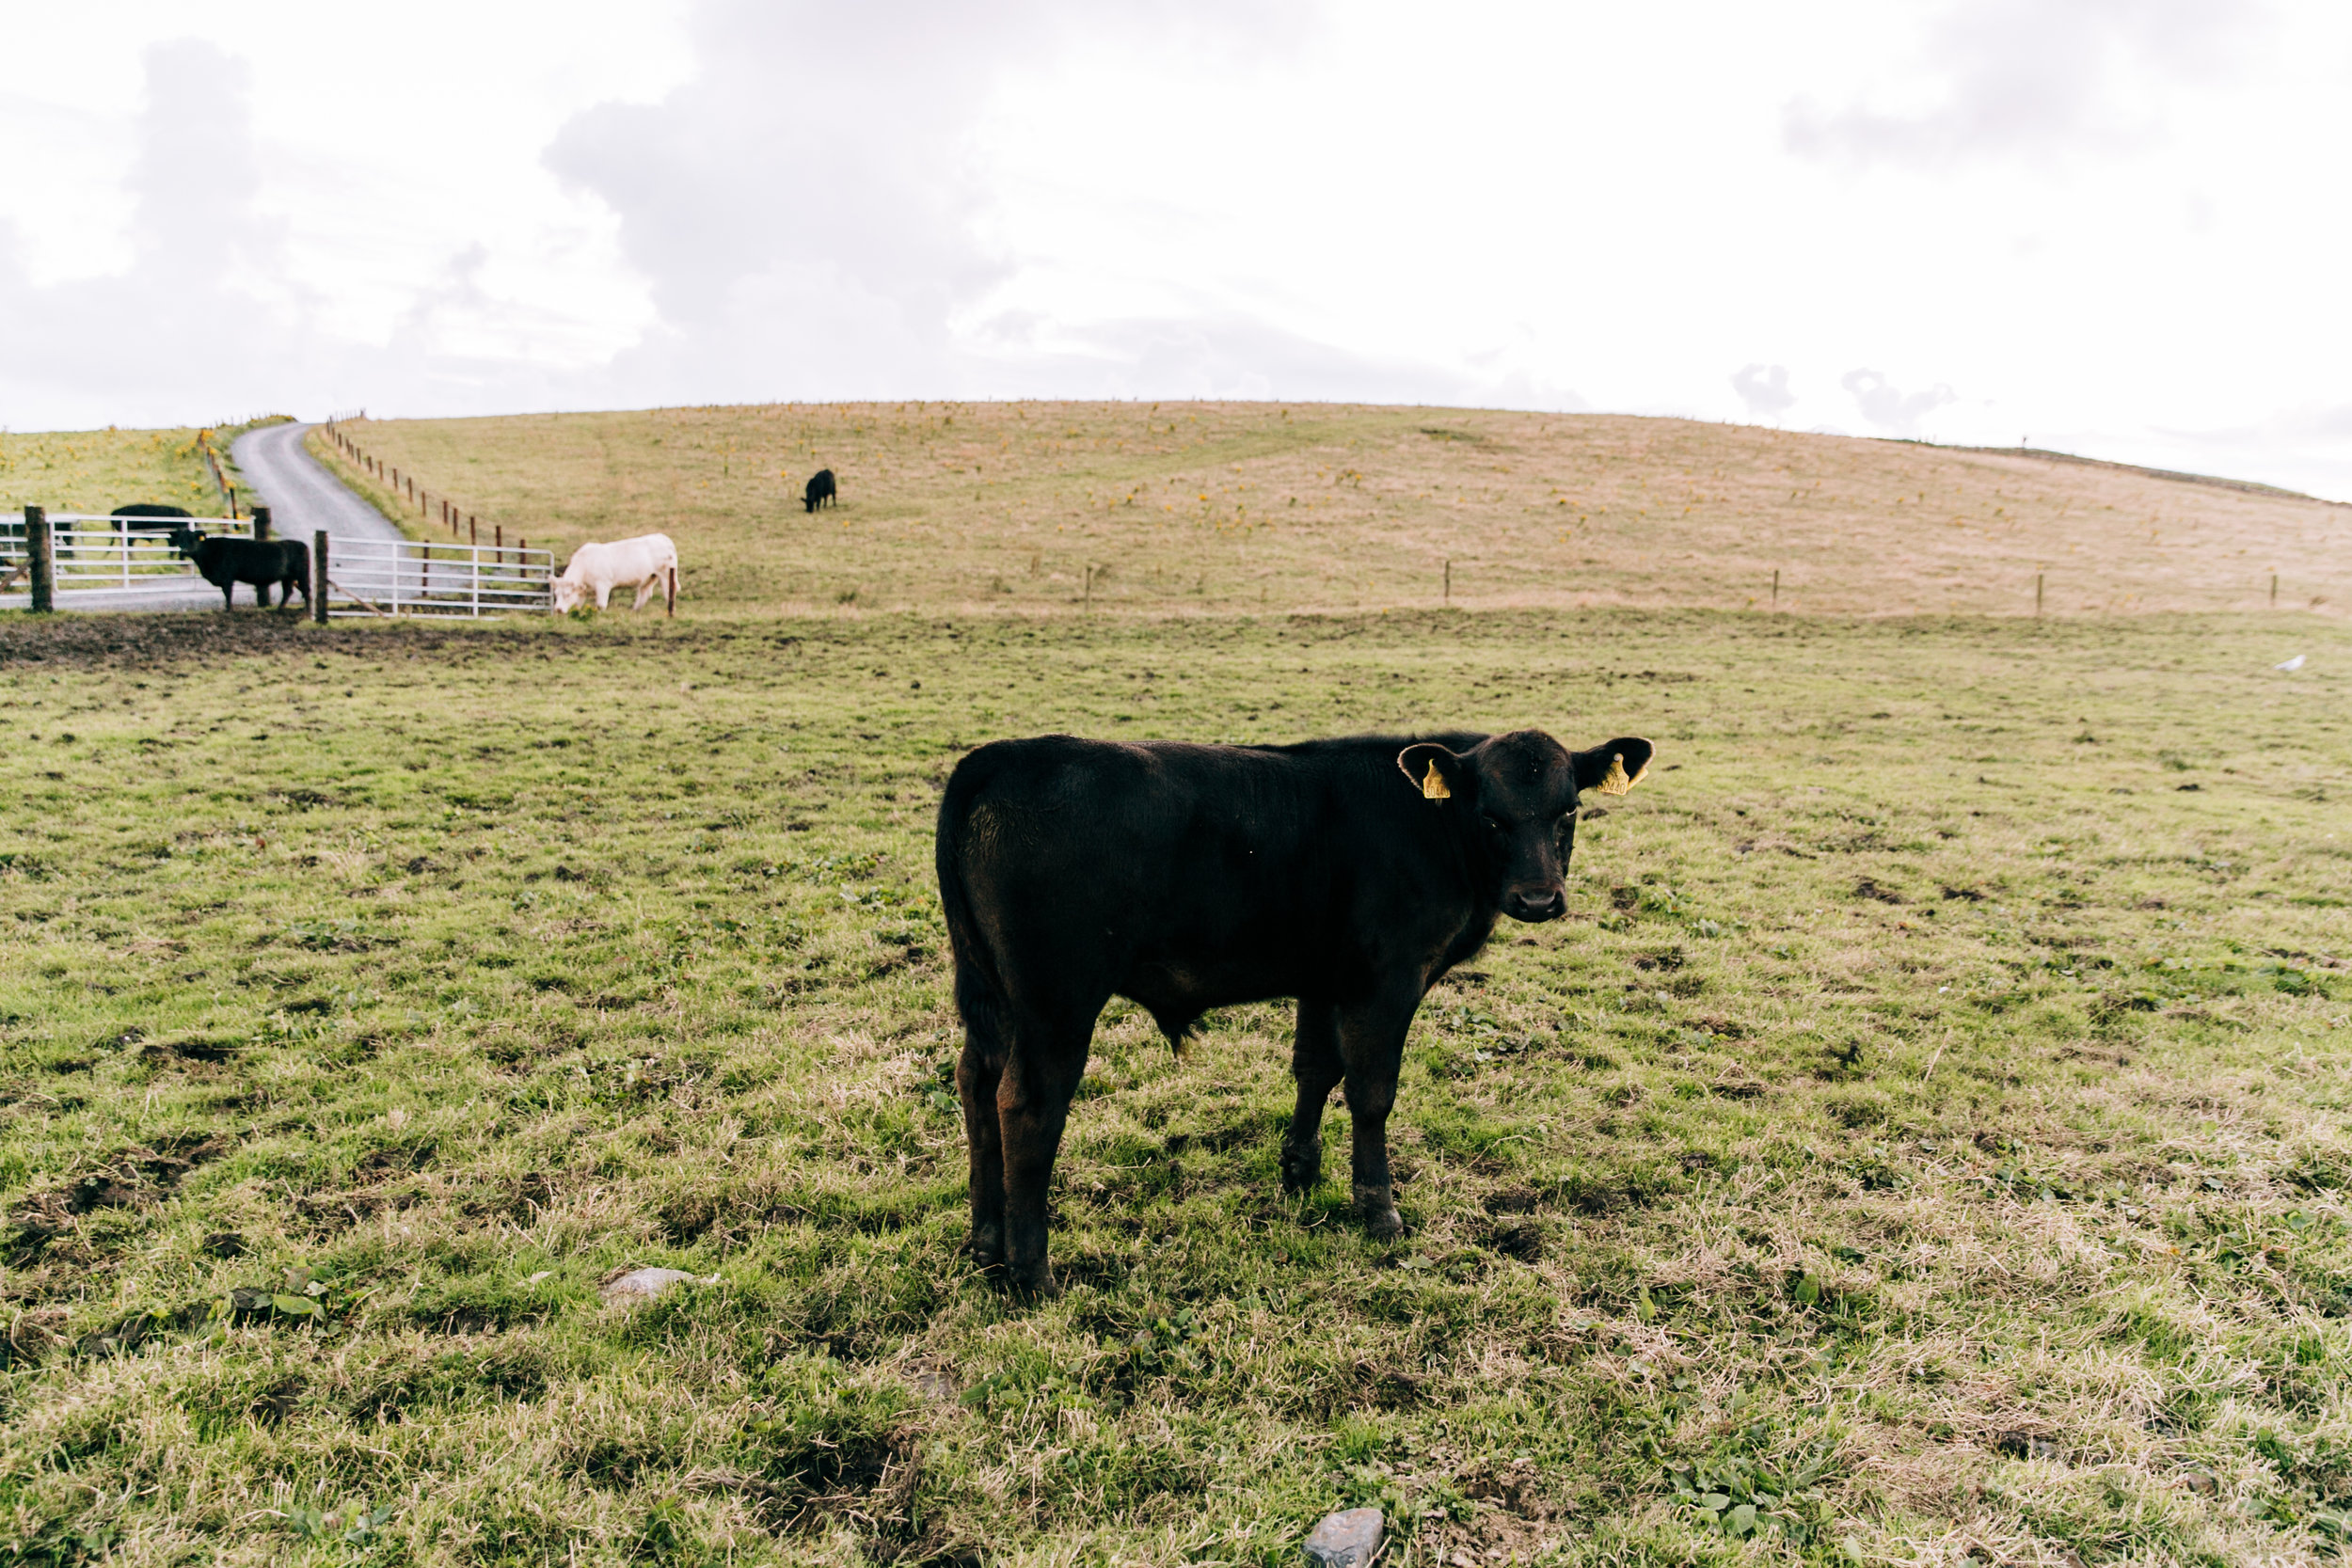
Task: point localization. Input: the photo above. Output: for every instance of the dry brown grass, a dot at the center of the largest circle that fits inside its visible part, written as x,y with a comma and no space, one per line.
1230,507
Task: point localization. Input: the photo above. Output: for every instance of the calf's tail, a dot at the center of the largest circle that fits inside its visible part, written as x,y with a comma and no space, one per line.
980,995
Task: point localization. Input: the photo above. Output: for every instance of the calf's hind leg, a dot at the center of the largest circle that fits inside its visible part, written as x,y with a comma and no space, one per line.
1041,1073
1315,1063
978,1073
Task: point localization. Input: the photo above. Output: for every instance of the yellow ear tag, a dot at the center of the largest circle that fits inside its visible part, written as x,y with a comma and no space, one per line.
1617,783
1433,787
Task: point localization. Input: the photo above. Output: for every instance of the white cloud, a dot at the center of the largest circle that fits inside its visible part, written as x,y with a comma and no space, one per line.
1765,391
2026,78
1889,407
2110,221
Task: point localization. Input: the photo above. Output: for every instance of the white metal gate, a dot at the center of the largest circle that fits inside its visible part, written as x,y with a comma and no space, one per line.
119,553
407,577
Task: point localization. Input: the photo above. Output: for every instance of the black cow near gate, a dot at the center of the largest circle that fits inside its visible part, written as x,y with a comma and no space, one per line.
149,516
820,490
260,562
1349,874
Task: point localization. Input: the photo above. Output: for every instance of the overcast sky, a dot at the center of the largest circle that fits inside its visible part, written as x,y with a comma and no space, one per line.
2116,226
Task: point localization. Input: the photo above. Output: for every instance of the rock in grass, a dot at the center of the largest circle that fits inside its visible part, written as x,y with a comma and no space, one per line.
1348,1539
645,1284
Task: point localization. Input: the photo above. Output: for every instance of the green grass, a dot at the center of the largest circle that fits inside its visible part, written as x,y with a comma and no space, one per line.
1926,1132
93,472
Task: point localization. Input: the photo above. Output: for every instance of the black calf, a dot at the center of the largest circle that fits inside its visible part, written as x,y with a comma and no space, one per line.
820,489
226,563
1348,874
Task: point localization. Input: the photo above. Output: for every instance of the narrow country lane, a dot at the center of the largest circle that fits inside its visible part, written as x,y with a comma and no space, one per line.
279,474
301,495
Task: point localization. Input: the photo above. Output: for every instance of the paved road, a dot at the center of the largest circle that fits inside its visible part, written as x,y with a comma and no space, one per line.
302,498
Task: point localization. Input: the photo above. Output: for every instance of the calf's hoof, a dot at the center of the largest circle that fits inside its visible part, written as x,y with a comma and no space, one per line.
1302,1168
1035,1284
987,1247
1382,1223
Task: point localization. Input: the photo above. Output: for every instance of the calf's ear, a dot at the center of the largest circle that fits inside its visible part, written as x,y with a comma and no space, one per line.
1613,767
1437,773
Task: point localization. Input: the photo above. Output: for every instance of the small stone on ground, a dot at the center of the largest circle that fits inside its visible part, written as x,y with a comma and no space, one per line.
645,1284
1349,1539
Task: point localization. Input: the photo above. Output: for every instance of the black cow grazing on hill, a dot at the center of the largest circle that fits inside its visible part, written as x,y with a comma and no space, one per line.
820,490
1348,874
149,516
226,563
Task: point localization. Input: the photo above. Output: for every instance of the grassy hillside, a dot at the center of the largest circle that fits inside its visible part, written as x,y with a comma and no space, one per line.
96,470
1241,506
1924,1142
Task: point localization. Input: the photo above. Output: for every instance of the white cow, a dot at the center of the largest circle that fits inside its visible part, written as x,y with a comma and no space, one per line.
647,564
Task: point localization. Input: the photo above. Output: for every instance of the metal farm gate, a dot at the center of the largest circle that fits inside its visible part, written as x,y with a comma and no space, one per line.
98,553
368,577
99,558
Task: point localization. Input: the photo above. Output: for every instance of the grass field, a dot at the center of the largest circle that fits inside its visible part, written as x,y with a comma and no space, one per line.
1244,507
93,472
1923,1142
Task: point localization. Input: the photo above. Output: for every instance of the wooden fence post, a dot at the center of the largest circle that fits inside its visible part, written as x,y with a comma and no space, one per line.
1449,580
260,522
318,576
1775,588
2037,592
42,551
2274,590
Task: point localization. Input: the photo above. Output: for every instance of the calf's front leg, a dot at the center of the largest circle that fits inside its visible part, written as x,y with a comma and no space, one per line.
1372,1046
1315,1063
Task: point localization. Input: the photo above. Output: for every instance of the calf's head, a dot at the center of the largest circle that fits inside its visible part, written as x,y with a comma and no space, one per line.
1514,799
570,592
185,540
